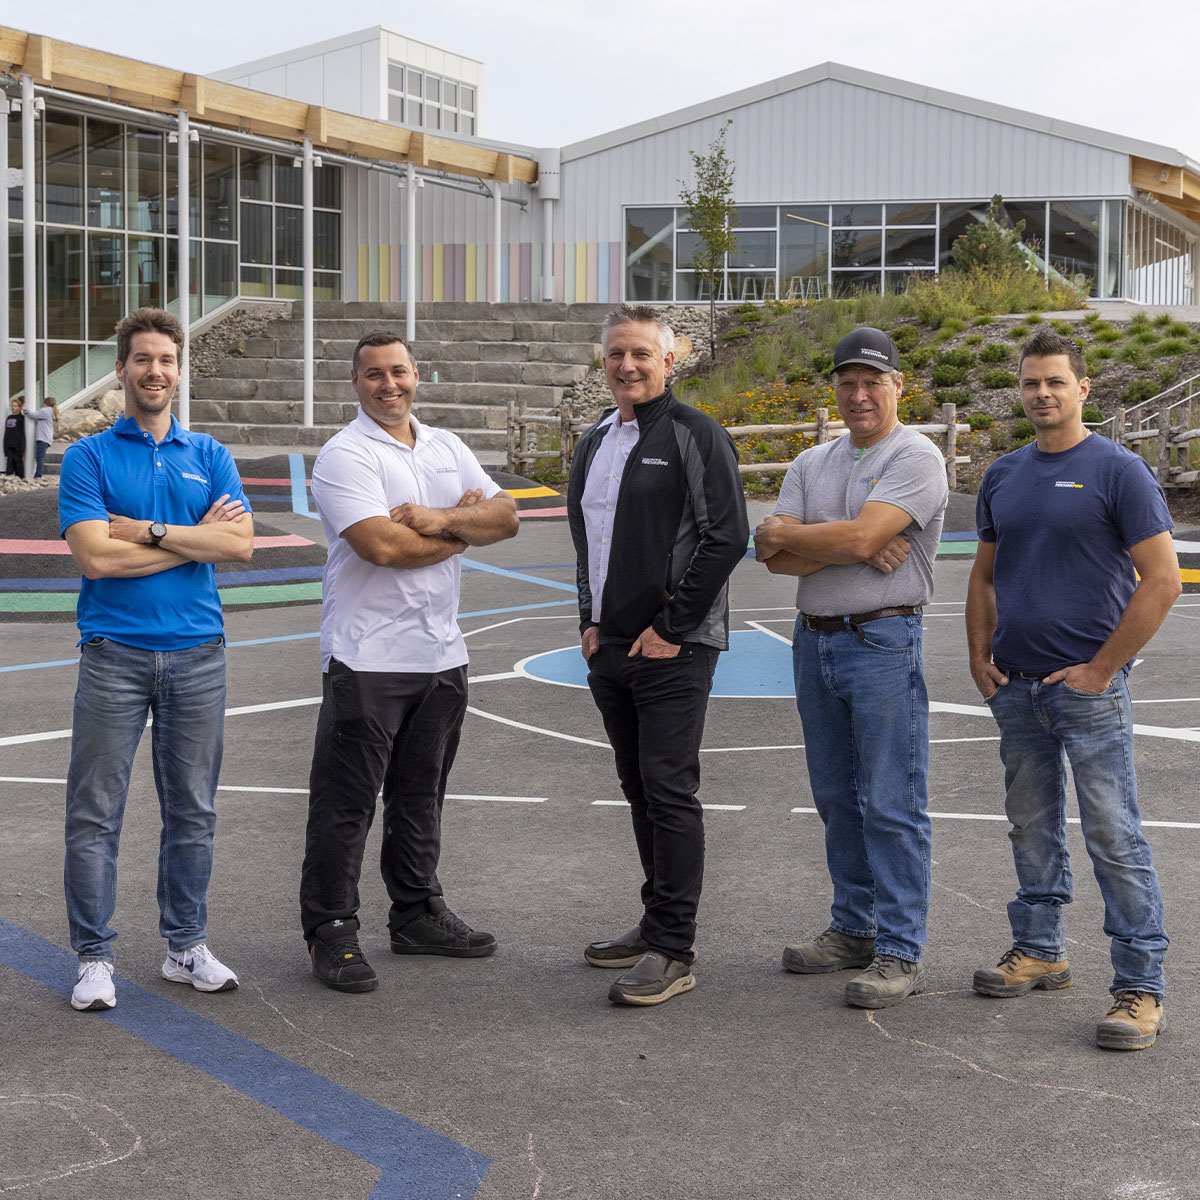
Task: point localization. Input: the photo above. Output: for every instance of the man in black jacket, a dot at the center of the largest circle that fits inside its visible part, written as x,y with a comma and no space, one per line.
658,519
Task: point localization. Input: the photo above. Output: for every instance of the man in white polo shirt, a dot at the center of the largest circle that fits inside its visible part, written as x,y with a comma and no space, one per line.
399,503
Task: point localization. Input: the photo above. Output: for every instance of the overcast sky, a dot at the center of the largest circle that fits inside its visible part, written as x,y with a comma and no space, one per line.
558,71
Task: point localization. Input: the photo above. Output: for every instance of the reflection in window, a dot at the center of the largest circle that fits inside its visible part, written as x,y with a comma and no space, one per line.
145,272
856,247
106,277
105,175
857,214
911,247
256,233
912,214
64,285
220,212
145,181
64,168
852,283
1075,241
256,175
649,262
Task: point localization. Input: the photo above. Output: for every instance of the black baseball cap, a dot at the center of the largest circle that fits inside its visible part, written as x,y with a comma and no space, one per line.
870,347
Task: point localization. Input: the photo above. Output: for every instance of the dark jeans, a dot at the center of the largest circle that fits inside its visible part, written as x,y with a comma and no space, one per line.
653,711
376,729
39,458
14,462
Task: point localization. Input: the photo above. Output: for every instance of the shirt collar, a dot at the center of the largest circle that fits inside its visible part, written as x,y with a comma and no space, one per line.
128,427
373,429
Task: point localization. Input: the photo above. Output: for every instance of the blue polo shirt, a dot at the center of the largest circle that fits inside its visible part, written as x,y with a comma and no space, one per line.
175,481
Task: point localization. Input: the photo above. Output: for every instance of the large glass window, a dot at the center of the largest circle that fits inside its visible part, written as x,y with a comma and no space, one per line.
145,187
146,272
105,175
649,261
64,168
220,185
64,286
803,251
106,284
1075,241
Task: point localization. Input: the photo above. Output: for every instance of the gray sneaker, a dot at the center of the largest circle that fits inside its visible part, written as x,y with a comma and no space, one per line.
832,951
887,981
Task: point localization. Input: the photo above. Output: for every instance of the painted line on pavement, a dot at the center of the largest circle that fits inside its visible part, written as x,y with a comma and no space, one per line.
299,487
950,816
413,1160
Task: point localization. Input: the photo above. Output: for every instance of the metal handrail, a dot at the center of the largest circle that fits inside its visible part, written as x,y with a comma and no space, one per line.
1192,383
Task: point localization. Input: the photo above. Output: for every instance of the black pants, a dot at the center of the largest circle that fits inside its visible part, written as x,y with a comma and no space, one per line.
653,711
378,729
14,462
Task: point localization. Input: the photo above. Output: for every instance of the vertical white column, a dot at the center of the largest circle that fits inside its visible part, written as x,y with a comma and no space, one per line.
497,204
410,272
29,248
307,234
184,233
549,189
548,250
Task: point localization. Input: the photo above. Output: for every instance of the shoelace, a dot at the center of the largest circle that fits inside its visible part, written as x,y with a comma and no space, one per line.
95,971
453,923
1125,1002
1013,956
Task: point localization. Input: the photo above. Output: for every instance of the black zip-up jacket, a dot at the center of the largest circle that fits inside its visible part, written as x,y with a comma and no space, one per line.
679,530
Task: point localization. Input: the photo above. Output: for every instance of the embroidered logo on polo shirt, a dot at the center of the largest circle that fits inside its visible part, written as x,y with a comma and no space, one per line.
1067,483
655,462
445,471
197,478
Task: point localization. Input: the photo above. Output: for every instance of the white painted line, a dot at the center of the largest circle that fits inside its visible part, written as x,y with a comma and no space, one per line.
963,710
19,739
493,678
1176,700
950,741
1002,817
277,704
564,737
706,807
28,779
743,749
770,633
499,799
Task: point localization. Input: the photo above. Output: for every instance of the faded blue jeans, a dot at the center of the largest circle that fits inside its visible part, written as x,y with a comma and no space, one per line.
865,713
1042,728
119,686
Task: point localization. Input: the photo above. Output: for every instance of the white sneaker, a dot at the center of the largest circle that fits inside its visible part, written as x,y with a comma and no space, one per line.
94,989
200,967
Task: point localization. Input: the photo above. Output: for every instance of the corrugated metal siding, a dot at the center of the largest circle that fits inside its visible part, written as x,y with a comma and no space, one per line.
834,141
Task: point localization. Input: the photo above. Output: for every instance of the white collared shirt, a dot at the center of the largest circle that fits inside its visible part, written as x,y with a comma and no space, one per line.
599,503
390,618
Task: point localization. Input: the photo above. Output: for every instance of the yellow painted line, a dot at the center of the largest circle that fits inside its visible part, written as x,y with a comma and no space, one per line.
530,493
1188,575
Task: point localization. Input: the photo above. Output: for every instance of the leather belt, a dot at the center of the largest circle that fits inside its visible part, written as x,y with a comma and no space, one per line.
854,620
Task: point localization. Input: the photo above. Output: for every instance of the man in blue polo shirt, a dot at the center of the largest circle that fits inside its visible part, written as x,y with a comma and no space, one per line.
147,508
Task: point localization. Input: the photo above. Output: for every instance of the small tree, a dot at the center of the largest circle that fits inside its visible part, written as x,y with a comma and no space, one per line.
990,244
712,217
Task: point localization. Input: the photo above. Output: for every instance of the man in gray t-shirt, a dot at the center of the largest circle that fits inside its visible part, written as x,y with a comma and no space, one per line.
858,523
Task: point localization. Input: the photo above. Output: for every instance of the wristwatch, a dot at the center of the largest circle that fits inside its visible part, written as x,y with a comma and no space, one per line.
158,531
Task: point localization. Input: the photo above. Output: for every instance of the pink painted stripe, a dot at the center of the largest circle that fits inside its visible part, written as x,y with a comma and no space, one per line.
269,482
47,546
524,513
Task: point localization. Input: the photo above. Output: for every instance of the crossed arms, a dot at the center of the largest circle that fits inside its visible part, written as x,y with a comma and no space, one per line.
787,546
416,536
120,547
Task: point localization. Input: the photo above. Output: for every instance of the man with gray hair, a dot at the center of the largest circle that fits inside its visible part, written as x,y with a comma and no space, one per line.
858,521
658,518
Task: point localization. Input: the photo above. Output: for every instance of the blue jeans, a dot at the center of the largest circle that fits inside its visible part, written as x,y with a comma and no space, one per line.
118,687
1042,727
39,458
865,713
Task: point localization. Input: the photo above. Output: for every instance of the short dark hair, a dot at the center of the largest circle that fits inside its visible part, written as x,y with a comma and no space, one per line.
148,320
381,337
628,314
1046,344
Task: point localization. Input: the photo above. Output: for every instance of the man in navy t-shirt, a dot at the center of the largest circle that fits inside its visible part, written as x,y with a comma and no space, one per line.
147,508
1075,572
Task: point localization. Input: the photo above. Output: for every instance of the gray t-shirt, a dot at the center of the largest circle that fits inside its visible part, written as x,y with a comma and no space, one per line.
43,423
832,482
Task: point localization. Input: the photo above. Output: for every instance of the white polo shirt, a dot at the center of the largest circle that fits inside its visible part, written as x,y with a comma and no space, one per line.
390,618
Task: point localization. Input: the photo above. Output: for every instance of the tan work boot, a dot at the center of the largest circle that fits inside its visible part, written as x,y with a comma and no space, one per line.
1133,1022
887,981
831,951
1017,974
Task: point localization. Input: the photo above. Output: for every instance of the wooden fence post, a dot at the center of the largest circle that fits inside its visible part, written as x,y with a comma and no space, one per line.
822,425
951,454
1163,467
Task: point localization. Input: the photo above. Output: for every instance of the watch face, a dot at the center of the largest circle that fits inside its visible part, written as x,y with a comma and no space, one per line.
157,530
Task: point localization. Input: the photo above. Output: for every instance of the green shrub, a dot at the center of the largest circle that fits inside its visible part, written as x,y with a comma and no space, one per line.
745,308
960,396
1139,390
985,319
1102,352
753,317
1177,329
767,357
1034,318
974,294
962,357
1018,333
1160,318
997,377
954,324
1018,442
1092,414
735,334
999,437
1135,354
974,339
1094,362
1023,428
796,377
1018,409
1091,318
1106,335
991,244
994,352
822,361
690,384
978,421
919,408
1147,337
906,337
920,358
1140,320
1167,373
1171,346
946,375
1063,327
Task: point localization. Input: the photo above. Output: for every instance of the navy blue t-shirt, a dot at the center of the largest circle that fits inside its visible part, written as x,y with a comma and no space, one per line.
1062,525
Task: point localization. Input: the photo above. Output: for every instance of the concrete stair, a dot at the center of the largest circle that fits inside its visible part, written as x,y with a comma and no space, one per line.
473,359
